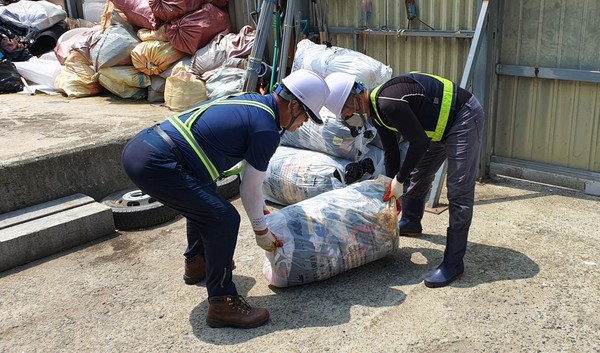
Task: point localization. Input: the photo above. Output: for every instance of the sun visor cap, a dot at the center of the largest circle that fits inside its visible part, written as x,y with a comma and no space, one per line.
310,89
340,84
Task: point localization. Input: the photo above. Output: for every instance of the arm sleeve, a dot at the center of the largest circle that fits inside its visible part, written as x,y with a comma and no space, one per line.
391,151
252,196
401,116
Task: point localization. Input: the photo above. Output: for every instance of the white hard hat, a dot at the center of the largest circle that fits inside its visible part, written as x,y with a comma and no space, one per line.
340,84
310,89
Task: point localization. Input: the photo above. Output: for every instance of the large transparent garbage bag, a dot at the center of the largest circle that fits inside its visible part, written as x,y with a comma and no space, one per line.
325,60
333,138
332,233
294,175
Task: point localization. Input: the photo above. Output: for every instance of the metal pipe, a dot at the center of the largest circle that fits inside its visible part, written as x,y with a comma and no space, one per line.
436,190
403,32
256,55
248,12
275,50
285,42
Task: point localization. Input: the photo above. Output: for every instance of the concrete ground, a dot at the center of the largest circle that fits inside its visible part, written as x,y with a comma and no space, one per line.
531,281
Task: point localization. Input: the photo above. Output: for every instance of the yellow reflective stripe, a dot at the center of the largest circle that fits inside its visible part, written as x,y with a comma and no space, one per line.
197,112
252,103
200,110
378,119
214,174
444,110
185,128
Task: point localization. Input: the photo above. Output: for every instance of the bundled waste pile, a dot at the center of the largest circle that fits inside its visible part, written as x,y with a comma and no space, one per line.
27,28
315,159
172,51
331,179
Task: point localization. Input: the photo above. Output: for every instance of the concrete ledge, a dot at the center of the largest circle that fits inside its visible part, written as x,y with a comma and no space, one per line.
92,170
584,181
30,234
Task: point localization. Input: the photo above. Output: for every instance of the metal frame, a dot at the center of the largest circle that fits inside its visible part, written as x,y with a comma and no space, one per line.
549,73
356,32
434,195
256,55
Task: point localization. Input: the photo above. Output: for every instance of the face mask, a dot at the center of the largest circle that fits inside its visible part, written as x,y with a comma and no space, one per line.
356,120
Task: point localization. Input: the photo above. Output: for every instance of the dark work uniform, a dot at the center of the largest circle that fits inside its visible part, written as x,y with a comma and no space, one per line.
227,134
412,104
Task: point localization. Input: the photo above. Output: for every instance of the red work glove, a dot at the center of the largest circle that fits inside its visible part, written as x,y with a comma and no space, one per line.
268,241
395,190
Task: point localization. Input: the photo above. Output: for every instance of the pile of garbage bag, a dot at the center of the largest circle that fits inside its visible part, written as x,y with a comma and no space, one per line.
131,52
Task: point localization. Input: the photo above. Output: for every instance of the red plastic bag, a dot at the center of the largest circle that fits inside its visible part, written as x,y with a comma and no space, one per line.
138,13
168,10
194,30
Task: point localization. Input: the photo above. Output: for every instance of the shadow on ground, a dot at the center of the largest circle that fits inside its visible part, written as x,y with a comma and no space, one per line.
329,302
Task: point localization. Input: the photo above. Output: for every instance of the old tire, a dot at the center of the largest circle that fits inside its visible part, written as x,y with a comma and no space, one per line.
229,186
132,209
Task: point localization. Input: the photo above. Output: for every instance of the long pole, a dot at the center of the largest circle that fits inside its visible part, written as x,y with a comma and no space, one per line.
262,33
436,190
285,42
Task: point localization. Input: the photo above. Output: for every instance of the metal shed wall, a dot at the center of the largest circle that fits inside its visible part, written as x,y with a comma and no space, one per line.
549,120
546,109
386,41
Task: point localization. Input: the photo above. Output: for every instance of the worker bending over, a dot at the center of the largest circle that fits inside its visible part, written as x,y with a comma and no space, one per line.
439,120
178,162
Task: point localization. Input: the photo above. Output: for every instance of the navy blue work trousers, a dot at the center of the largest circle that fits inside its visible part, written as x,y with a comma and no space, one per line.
212,222
461,148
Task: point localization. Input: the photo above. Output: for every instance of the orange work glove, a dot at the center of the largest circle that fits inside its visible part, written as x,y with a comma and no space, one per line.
395,190
268,241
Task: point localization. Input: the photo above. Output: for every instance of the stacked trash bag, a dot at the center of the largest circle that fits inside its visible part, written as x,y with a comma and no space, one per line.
331,180
178,51
26,29
329,177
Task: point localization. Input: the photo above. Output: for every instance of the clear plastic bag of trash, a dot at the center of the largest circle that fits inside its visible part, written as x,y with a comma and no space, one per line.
294,174
331,233
332,138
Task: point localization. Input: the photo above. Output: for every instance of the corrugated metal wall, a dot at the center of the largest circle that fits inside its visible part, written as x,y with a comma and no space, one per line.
442,56
544,120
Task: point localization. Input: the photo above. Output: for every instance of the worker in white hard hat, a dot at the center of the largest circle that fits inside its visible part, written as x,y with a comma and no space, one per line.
178,162
439,120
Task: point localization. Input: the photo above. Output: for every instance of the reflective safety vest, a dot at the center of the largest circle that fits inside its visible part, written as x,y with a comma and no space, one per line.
441,94
185,127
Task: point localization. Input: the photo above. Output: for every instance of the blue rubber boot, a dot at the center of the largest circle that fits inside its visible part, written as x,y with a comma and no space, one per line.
412,213
453,266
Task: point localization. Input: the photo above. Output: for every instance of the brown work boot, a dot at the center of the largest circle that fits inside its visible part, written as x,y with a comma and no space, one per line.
195,270
234,311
